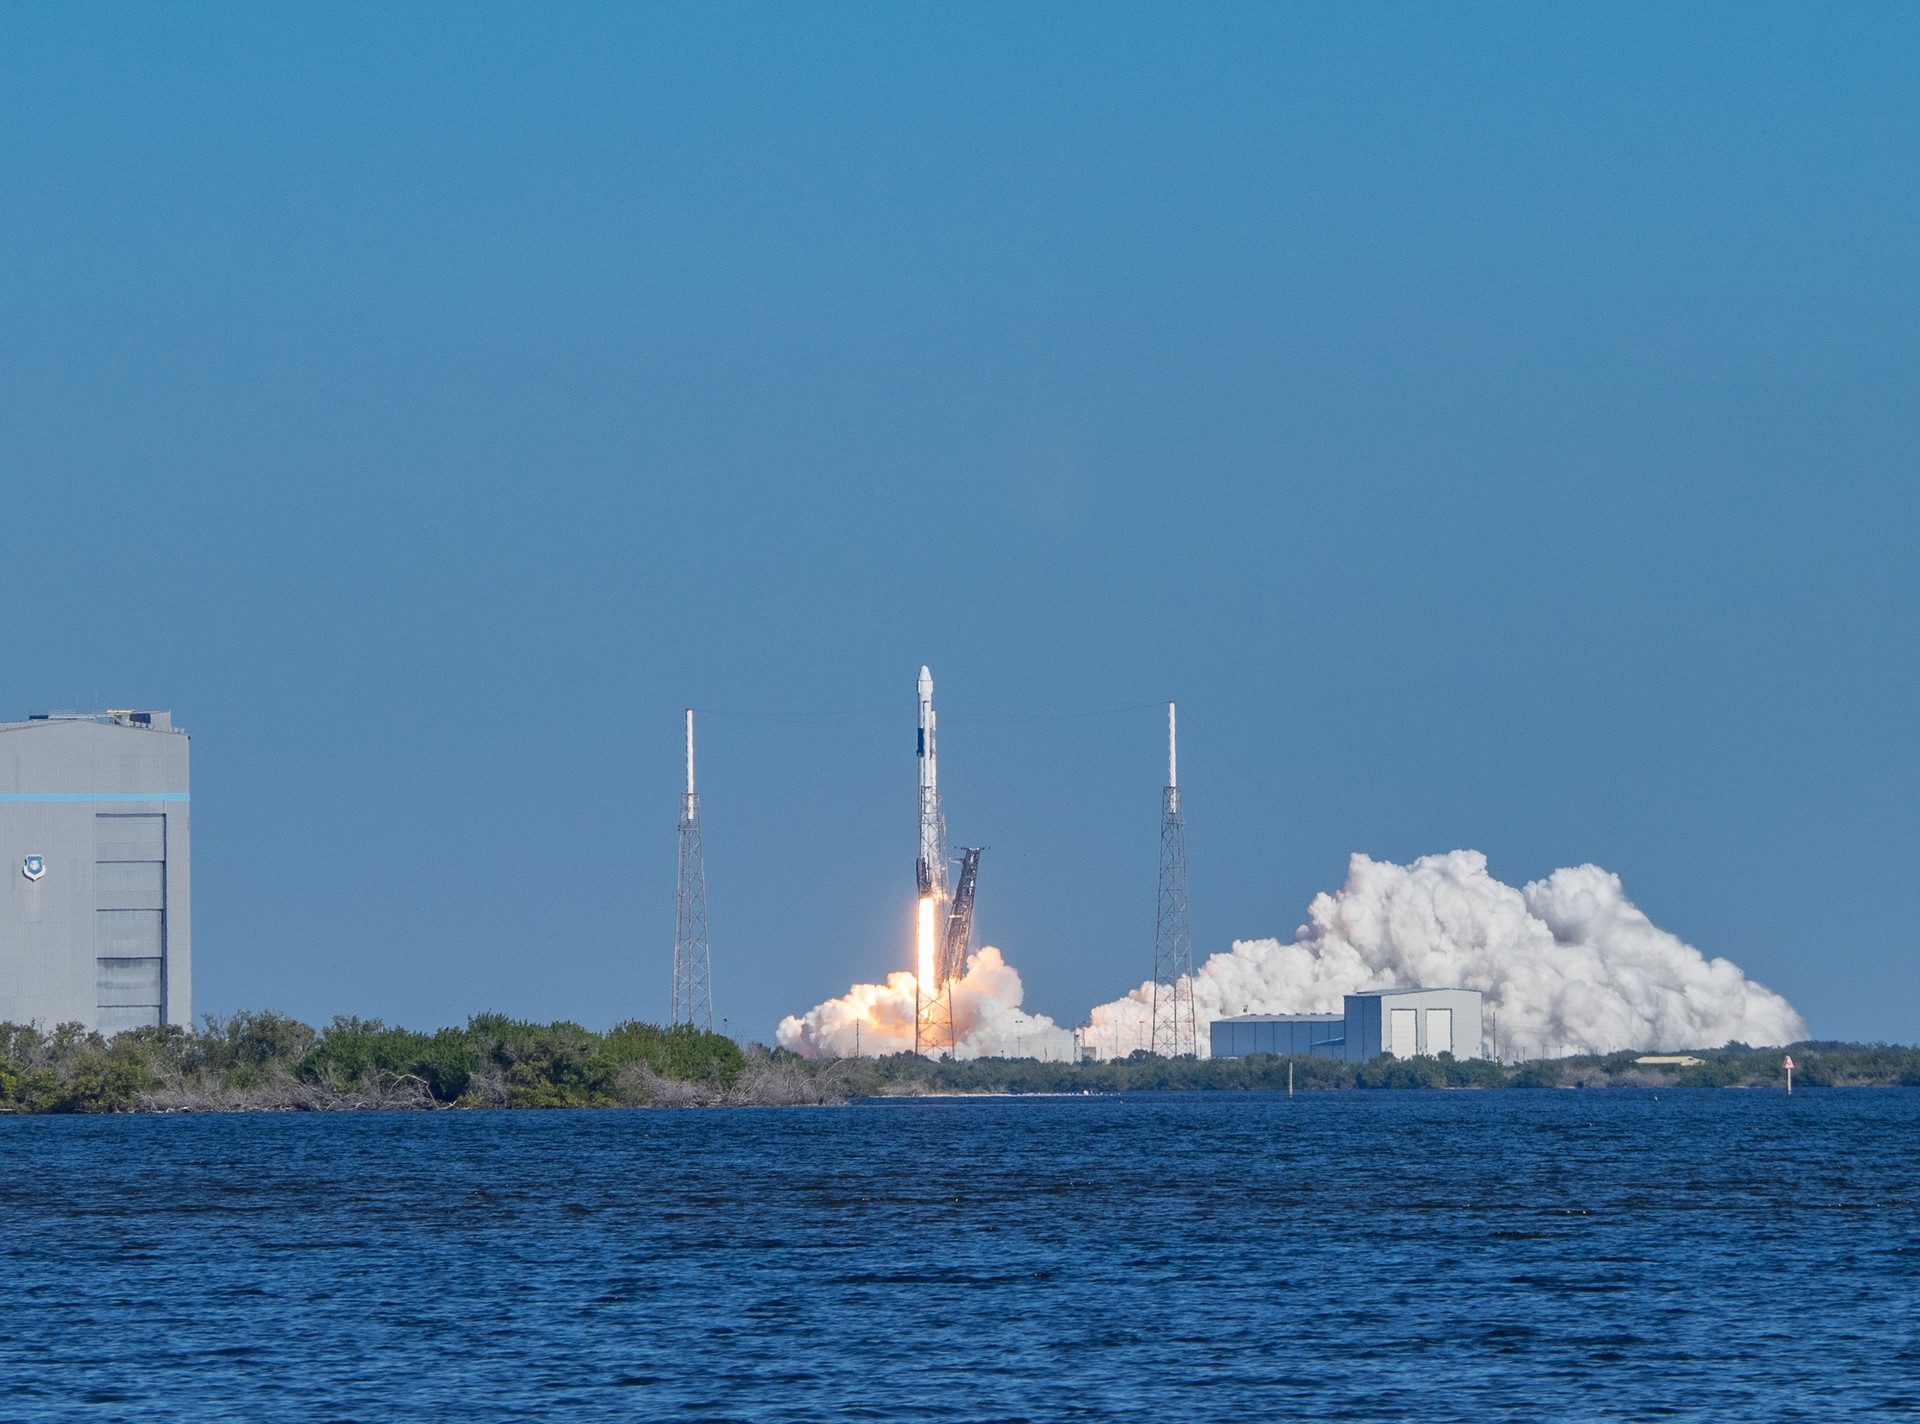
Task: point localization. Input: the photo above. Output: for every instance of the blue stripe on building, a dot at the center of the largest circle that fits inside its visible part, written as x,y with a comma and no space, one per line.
95,796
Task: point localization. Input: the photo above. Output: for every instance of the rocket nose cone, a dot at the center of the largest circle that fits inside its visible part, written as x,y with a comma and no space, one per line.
926,680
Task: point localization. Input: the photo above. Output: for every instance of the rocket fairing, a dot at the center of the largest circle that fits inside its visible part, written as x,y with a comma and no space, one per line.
930,865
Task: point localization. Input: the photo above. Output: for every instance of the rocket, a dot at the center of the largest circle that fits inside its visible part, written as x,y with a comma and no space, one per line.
930,867
943,921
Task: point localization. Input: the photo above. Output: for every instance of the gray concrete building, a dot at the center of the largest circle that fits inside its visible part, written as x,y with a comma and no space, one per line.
95,899
1404,1023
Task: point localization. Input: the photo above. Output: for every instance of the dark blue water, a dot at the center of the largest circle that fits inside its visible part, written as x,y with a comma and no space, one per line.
1419,1256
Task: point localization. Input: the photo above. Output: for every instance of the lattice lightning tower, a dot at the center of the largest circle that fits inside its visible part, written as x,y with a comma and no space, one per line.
1174,1031
692,964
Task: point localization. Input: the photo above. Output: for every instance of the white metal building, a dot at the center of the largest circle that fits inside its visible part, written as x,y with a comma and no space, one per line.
95,902
1410,1023
1402,1023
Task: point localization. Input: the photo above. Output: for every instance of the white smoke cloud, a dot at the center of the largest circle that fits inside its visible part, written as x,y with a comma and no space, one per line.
1568,964
874,1019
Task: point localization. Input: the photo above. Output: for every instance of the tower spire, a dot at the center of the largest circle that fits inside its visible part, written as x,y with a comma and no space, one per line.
1173,755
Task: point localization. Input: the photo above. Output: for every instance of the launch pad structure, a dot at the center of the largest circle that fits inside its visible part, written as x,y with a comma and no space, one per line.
944,920
953,949
934,1027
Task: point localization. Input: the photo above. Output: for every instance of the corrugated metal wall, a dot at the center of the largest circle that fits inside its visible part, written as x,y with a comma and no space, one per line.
130,919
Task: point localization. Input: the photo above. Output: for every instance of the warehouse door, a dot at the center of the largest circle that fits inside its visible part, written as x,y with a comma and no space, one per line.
130,920
1400,1031
1439,1031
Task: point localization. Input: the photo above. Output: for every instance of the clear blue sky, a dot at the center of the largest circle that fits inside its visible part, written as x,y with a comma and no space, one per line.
1495,424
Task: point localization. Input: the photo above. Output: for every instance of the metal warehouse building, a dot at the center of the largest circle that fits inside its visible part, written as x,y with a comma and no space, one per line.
1405,1023
1287,1035
95,907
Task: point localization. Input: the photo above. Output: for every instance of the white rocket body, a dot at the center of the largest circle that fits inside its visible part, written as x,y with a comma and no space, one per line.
930,866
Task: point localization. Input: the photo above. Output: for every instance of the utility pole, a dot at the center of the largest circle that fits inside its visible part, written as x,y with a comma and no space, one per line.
1174,1032
692,962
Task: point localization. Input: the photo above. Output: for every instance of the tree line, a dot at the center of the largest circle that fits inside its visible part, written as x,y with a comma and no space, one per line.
262,1061
265,1060
1735,1065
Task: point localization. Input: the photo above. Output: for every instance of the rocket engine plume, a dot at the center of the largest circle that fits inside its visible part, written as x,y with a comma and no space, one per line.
924,953
876,1019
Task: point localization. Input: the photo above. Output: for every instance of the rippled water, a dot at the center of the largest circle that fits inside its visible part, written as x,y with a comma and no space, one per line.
1417,1256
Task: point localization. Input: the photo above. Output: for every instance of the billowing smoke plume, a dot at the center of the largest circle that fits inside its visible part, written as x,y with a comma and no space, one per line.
1568,965
874,1019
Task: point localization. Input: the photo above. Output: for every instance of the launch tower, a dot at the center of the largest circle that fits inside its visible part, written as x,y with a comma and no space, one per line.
1175,1034
692,964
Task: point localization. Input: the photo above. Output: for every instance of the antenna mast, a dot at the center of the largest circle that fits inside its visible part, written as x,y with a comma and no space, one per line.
1175,1033
692,962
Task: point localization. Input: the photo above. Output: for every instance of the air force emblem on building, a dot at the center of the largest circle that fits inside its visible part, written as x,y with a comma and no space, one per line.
34,867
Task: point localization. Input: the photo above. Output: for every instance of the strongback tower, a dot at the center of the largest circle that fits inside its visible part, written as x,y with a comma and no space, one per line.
1174,1031
95,894
692,965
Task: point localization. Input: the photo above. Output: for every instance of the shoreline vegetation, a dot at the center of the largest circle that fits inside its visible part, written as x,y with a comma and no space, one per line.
267,1062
